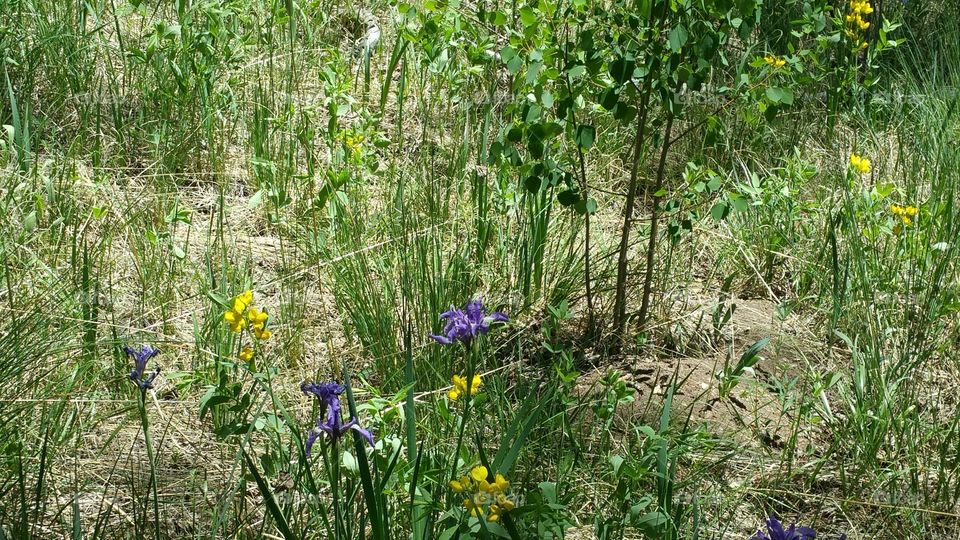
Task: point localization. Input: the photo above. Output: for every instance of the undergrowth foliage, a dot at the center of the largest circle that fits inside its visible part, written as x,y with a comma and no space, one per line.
659,269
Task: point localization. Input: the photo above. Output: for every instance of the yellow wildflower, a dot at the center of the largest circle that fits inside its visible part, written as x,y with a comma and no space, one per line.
236,316
461,485
861,164
862,7
477,502
479,473
236,320
775,62
499,484
258,324
469,505
855,19
497,509
246,354
242,314
255,316
460,387
354,143
484,498
262,334
243,301
905,213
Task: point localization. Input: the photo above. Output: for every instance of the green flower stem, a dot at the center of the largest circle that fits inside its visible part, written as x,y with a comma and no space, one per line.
468,399
145,424
331,453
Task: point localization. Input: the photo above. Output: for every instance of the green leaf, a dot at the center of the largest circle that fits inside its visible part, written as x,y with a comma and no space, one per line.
535,147
576,71
608,99
528,16
497,529
568,197
624,113
256,200
777,94
269,465
549,490
616,461
720,211
398,49
750,357
448,533
511,59
714,184
533,71
546,98
678,38
651,522
30,222
350,462
212,399
497,18
622,68
885,189
740,204
533,183
586,206
585,136
515,65
550,130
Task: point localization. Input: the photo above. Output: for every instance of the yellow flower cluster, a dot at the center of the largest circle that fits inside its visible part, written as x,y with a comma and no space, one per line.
860,164
460,387
859,8
241,315
856,24
235,317
484,498
905,213
354,143
774,62
258,324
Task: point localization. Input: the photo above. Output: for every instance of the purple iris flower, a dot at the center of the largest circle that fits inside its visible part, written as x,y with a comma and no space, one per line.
776,531
330,421
138,374
327,393
465,324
